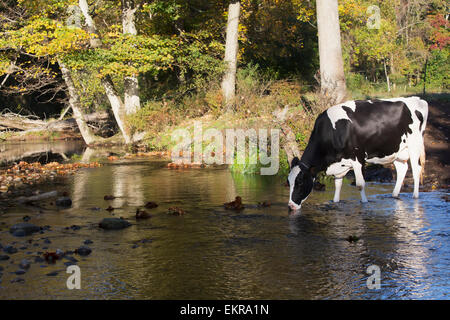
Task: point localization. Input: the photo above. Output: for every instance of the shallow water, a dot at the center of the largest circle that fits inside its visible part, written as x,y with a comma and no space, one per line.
212,253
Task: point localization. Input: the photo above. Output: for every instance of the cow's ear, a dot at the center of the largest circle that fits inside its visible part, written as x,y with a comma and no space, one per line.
295,162
313,171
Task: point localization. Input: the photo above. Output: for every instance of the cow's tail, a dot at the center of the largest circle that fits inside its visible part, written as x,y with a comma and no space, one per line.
422,159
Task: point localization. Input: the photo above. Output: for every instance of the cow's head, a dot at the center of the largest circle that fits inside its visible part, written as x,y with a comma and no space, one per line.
301,182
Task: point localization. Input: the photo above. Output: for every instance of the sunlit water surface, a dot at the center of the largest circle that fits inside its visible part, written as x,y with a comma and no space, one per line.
212,253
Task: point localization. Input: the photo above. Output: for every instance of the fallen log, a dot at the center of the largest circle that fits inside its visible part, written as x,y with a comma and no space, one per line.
19,123
38,197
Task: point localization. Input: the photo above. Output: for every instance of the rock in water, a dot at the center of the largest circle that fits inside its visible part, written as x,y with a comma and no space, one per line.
23,229
24,264
9,249
63,202
83,251
114,224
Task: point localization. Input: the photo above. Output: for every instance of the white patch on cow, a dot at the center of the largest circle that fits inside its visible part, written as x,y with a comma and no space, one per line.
336,113
291,178
339,169
384,160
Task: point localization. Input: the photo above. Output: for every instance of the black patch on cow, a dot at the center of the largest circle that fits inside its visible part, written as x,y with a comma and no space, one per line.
420,117
378,127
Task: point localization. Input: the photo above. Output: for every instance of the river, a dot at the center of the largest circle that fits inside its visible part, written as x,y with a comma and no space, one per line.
213,253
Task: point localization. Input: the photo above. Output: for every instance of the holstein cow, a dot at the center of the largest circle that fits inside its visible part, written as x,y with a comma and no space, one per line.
348,135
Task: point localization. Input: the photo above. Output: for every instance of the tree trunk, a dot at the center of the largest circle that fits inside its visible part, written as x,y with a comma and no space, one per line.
131,85
332,76
75,104
231,51
95,41
387,76
117,105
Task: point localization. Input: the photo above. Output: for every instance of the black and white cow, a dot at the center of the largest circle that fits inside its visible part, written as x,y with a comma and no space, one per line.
348,135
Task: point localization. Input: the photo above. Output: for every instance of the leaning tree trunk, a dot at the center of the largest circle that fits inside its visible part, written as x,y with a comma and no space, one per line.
131,85
116,102
332,76
74,101
117,107
231,51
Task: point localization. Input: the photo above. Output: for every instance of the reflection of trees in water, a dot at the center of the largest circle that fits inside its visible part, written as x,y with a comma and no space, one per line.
411,250
127,186
39,151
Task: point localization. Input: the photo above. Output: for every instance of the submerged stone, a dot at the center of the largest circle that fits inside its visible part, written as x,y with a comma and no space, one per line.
63,202
23,229
114,224
83,251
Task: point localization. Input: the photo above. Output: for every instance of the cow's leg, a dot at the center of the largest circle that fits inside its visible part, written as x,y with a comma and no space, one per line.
416,169
401,167
337,191
415,147
360,183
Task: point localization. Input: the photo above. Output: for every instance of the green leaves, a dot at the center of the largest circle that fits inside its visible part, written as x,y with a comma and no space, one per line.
125,55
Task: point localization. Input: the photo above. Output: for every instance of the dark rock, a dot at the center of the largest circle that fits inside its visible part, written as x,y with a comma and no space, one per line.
26,218
318,186
233,205
18,280
88,241
47,241
24,264
63,202
10,249
4,257
52,274
83,251
151,205
114,224
142,214
20,272
352,239
378,173
134,246
23,229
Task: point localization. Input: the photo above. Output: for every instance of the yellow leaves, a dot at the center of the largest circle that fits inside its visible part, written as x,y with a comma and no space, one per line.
44,37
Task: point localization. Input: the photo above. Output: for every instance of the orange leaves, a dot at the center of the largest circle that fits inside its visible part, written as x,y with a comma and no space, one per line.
31,173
